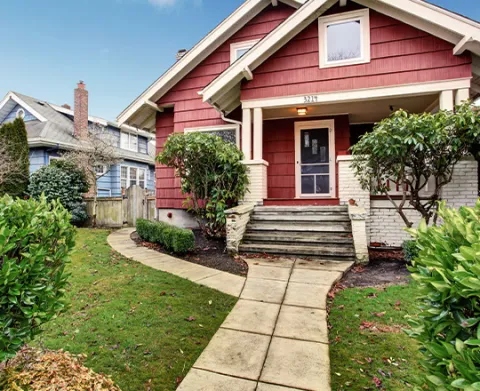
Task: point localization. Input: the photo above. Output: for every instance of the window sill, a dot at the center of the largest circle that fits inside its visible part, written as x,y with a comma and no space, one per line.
343,63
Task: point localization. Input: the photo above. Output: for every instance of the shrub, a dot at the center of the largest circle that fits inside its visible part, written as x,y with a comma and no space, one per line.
448,270
213,176
31,370
63,181
14,159
175,239
410,250
36,239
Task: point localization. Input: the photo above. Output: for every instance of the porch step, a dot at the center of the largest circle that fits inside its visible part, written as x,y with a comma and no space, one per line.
311,231
298,238
341,251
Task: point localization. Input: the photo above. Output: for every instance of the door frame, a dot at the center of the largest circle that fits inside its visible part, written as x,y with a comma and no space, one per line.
322,124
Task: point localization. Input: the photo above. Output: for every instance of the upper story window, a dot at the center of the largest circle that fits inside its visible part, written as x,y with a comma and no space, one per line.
344,39
238,49
129,141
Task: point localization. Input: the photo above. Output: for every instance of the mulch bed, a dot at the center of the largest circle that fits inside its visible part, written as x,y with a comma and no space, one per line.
385,268
208,252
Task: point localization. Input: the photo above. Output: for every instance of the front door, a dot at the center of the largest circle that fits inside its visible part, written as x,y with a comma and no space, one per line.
315,159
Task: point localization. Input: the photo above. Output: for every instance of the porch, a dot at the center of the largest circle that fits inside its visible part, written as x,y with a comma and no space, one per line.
297,147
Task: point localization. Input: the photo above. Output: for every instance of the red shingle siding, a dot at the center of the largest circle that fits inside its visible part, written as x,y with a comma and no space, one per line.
279,151
400,54
190,111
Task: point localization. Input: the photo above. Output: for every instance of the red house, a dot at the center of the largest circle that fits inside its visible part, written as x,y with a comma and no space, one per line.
295,83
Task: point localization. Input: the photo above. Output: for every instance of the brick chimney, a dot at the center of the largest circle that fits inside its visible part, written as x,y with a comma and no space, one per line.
81,111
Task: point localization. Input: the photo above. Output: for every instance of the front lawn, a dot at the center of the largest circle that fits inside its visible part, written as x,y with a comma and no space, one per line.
369,350
143,327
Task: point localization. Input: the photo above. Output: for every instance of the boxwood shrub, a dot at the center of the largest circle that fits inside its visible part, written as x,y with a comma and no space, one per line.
177,240
448,271
36,239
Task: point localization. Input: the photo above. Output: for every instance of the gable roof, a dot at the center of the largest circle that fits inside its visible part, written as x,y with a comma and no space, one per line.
463,32
140,112
54,126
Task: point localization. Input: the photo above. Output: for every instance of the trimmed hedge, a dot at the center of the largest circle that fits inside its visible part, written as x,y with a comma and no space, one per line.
447,269
178,240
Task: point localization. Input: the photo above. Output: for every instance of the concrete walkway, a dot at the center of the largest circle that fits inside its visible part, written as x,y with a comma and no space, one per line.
221,281
275,338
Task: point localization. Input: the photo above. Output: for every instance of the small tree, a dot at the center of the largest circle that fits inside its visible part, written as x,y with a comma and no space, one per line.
409,149
213,176
63,181
97,151
14,160
36,239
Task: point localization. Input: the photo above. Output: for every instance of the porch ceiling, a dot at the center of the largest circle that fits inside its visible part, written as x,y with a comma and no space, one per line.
360,112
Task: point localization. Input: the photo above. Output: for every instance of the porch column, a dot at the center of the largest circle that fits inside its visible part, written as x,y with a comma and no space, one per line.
462,96
247,134
257,167
257,134
446,100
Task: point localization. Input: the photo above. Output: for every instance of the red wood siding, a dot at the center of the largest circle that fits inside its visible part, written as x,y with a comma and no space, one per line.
279,151
190,111
400,54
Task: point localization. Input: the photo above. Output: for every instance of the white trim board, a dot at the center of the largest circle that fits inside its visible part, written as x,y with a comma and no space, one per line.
359,95
11,95
232,24
322,124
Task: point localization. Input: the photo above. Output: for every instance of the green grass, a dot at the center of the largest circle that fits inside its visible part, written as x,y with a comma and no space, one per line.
358,355
130,320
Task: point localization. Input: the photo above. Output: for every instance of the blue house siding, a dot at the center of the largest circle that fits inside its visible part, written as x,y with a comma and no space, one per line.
37,158
13,114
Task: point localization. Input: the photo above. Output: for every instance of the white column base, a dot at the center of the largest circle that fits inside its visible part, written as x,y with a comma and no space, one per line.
257,175
358,217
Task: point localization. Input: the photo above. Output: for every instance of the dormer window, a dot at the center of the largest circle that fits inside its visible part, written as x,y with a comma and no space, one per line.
344,39
239,49
129,141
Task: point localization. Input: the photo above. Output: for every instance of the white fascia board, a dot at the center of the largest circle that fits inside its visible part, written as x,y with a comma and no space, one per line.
11,95
266,47
195,56
363,94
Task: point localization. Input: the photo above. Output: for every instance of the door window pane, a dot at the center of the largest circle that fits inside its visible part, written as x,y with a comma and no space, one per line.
308,184
344,41
315,146
322,184
323,169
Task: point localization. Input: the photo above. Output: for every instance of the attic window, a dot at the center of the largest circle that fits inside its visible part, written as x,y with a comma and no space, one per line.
344,39
239,49
20,113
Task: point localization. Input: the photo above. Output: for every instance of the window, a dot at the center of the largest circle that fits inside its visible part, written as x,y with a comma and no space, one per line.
129,141
101,170
229,133
238,49
20,114
344,39
131,176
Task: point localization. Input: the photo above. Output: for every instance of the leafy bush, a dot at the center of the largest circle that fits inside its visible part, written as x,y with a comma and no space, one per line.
213,176
31,370
410,250
63,181
14,159
36,239
175,239
448,270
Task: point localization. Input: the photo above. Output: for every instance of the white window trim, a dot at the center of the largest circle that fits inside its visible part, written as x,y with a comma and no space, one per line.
138,175
105,170
130,135
217,128
299,126
324,22
234,47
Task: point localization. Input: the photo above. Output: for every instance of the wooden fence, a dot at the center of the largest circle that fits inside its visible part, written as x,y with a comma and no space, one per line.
117,212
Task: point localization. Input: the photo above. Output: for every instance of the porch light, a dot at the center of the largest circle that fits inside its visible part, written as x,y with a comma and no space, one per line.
302,111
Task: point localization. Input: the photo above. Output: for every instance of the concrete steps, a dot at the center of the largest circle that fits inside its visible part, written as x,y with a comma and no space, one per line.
319,231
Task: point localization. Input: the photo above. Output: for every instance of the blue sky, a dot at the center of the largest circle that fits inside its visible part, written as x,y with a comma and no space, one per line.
118,47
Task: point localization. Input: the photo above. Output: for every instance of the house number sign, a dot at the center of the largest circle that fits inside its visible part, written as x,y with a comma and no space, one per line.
310,99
